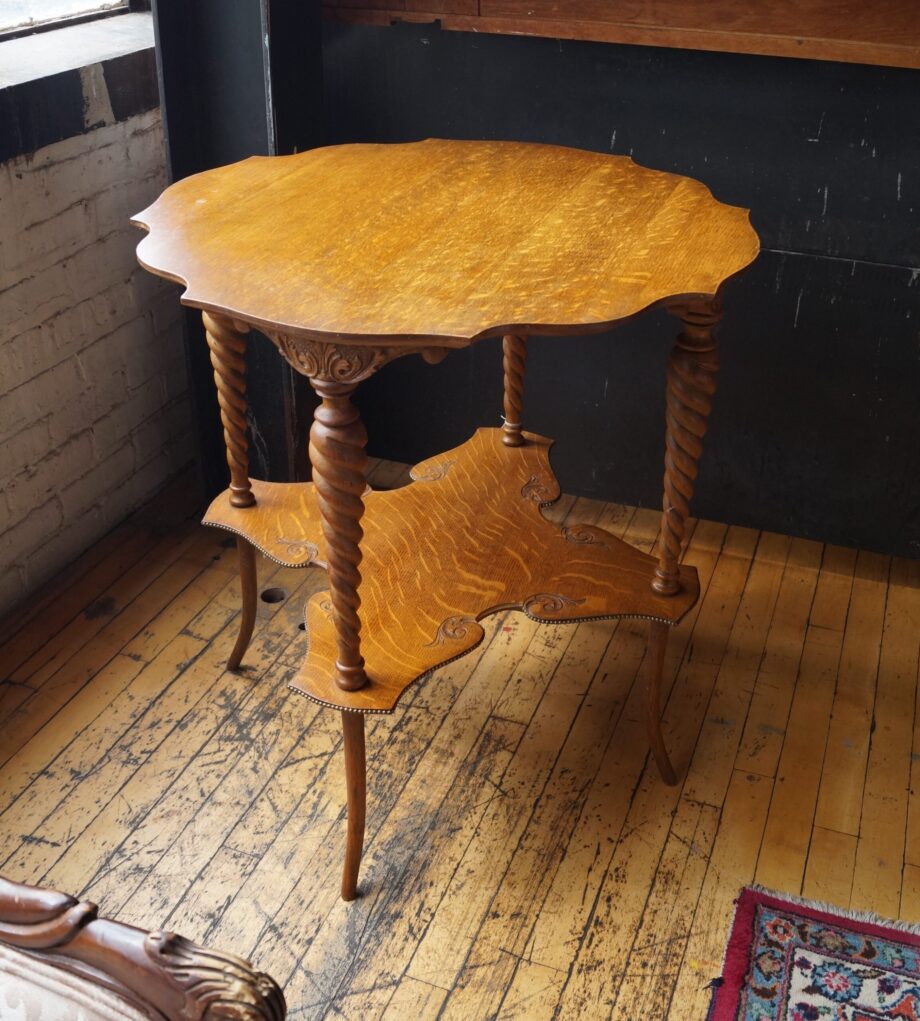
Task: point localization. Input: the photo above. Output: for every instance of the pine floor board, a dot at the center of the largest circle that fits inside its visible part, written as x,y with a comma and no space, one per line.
523,860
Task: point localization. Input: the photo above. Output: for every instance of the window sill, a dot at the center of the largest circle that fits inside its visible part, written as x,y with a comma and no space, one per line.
67,49
65,82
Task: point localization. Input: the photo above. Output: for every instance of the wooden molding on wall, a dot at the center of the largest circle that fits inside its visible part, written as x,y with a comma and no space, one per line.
884,32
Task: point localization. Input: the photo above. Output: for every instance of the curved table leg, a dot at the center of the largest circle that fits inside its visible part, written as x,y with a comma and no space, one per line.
514,356
356,784
249,583
657,644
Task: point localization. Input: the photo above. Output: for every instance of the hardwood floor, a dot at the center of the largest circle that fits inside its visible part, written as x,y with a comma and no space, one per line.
523,859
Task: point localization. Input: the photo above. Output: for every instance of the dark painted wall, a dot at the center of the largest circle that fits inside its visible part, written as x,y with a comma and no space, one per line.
815,429
238,80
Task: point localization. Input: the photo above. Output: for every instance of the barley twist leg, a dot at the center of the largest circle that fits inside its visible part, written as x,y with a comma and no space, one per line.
337,441
692,372
228,350
227,341
514,355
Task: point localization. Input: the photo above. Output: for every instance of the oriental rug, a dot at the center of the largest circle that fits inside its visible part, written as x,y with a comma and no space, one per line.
791,960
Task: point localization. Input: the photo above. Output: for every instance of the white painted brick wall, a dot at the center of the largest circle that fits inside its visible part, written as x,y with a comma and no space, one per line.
94,406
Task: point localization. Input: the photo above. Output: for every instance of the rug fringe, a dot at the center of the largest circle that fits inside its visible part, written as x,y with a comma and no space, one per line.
870,917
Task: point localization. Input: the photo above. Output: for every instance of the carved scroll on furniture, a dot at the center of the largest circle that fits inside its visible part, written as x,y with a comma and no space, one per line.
59,960
351,256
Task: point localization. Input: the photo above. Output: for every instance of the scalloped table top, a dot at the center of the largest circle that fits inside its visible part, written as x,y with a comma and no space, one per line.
447,241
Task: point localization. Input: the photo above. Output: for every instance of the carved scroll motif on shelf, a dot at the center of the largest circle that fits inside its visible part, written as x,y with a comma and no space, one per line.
585,535
216,985
297,548
541,604
545,604
537,490
453,629
431,472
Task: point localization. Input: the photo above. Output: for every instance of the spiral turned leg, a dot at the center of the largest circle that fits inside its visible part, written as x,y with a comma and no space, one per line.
228,351
692,372
227,342
337,441
514,355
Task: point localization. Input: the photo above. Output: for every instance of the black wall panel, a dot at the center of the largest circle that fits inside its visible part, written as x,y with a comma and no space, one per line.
241,79
814,430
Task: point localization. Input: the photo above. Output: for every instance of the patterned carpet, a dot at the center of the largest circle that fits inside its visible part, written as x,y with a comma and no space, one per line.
788,960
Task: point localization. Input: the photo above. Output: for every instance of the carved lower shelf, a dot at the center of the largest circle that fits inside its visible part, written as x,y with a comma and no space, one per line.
466,539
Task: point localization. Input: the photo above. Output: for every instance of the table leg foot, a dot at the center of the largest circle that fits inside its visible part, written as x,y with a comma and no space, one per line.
356,783
249,579
657,643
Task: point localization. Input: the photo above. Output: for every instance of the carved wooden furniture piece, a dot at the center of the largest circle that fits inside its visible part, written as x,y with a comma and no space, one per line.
418,545
351,256
58,957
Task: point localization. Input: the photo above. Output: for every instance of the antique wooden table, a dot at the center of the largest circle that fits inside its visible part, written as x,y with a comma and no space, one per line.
350,256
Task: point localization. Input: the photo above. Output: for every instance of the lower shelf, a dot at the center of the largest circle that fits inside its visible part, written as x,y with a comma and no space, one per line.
465,540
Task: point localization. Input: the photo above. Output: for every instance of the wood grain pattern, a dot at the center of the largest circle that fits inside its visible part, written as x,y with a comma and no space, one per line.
417,544
440,241
516,809
884,32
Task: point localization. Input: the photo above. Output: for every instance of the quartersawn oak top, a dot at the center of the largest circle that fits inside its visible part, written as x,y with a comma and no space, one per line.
443,240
